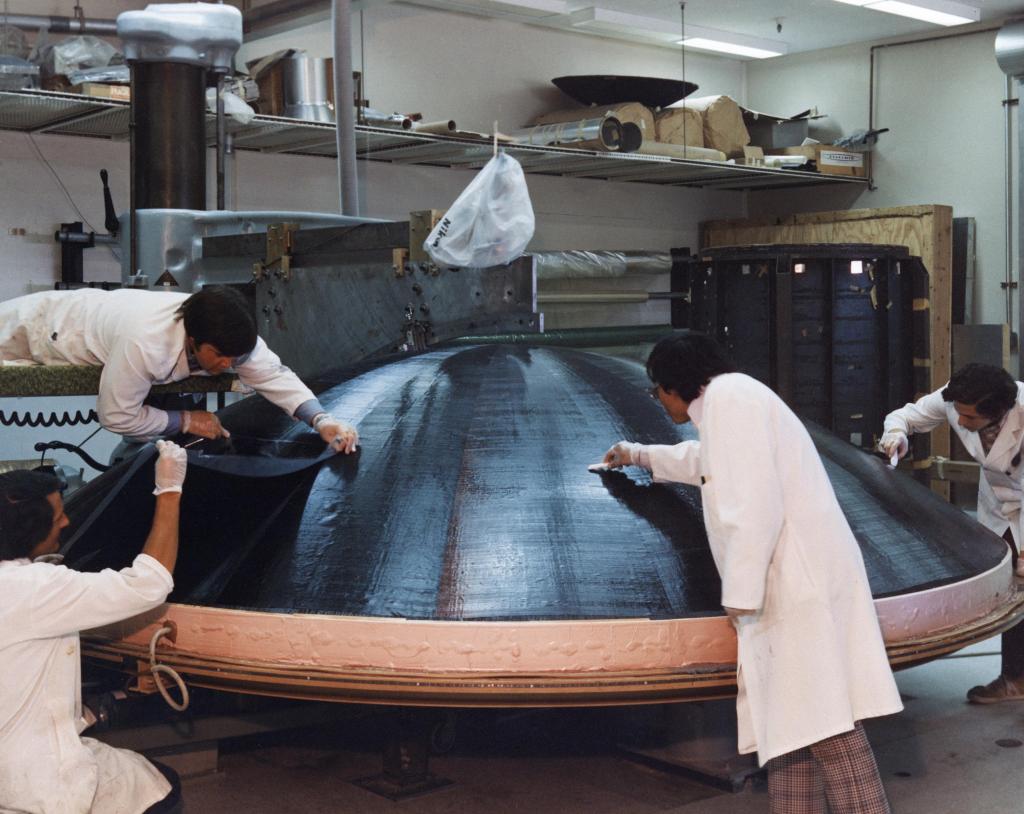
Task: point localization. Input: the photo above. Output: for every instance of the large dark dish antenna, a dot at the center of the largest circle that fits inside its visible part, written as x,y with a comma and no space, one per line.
609,90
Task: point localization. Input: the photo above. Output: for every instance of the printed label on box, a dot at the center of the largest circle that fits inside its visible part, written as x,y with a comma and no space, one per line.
840,159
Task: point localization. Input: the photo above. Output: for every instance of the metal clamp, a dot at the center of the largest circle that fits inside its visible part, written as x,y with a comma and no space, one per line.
279,252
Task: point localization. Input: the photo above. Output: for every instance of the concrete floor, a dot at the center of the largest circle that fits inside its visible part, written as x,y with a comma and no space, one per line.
941,756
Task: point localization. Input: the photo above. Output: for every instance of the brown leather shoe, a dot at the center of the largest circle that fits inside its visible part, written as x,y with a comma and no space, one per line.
998,690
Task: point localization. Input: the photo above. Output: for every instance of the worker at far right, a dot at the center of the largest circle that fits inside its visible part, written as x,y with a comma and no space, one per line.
985,406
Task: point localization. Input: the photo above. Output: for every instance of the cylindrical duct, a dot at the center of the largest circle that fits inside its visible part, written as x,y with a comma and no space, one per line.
1010,48
306,93
169,135
603,133
60,25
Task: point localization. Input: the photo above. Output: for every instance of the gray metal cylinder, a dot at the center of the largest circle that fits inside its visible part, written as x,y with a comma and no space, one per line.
306,89
603,133
60,25
1010,48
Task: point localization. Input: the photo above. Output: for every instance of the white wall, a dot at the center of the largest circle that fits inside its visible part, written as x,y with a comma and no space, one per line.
475,69
942,101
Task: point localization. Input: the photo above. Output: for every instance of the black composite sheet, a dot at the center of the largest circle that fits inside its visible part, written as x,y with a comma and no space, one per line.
470,499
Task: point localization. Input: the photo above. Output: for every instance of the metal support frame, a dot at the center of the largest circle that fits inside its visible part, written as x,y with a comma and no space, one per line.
311,277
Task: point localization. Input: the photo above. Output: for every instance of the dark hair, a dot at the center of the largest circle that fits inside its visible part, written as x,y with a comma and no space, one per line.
685,362
26,516
990,389
220,316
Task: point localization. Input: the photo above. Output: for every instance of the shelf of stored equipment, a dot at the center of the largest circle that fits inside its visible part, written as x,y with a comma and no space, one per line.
33,111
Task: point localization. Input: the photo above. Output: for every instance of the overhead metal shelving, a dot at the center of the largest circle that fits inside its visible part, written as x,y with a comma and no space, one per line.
75,115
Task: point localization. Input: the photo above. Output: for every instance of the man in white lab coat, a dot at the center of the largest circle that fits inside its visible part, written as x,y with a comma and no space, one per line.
811,663
985,407
142,338
45,766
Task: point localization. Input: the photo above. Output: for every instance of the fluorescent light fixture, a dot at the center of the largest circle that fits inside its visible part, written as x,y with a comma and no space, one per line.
728,42
798,268
619,22
856,267
527,8
940,12
533,9
516,8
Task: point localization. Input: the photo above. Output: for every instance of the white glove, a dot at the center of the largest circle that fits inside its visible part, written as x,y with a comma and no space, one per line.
170,467
624,453
894,442
341,437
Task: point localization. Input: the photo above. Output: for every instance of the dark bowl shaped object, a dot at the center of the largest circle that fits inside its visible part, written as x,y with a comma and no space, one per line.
610,90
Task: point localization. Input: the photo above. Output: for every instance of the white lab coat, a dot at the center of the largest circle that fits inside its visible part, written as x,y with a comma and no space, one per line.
135,336
811,660
45,767
999,488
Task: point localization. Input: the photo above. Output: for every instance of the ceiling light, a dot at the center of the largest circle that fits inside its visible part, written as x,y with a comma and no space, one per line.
940,12
727,42
529,8
618,22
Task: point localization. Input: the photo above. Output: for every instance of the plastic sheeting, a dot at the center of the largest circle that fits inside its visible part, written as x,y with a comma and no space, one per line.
588,264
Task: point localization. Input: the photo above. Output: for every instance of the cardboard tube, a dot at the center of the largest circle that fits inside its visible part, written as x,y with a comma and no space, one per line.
680,151
438,128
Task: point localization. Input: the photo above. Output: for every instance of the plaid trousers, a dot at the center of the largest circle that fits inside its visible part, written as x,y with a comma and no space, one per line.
840,769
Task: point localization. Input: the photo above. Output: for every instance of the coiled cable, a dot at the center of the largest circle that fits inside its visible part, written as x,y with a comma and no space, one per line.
54,419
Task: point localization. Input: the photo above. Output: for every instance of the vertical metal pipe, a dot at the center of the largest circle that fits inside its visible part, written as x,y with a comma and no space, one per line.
344,108
221,142
133,162
1008,117
230,189
1018,225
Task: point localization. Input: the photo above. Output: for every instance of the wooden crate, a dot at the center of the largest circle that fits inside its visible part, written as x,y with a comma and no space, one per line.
927,231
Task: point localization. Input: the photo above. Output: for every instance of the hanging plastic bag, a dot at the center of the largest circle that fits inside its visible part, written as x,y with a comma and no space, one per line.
490,223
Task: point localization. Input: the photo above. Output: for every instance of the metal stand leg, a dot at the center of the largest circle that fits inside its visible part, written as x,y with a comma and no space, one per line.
407,754
698,740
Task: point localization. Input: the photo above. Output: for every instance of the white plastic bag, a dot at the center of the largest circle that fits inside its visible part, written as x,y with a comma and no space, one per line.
490,223
234,105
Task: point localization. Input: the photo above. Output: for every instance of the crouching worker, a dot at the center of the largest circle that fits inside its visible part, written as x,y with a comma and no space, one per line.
985,408
142,338
811,663
45,766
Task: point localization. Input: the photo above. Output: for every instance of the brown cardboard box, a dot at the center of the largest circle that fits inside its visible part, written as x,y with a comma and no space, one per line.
680,125
723,123
122,93
57,82
269,78
625,112
830,160
751,157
